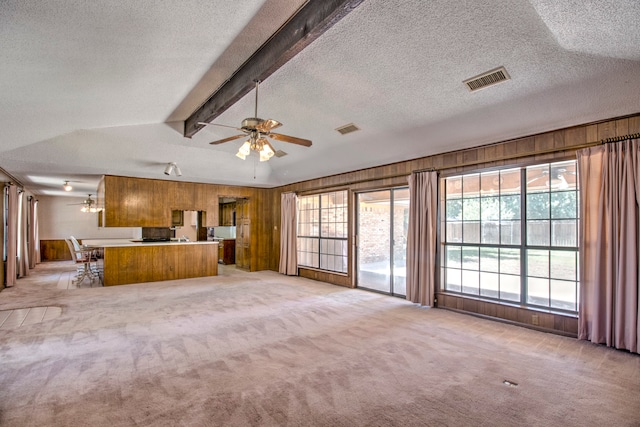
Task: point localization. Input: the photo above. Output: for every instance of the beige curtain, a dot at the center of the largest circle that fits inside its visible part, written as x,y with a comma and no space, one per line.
23,246
34,233
288,234
421,239
609,215
12,235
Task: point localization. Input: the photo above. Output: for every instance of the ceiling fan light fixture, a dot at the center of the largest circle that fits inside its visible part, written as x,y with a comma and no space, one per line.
67,186
89,205
266,152
257,129
245,149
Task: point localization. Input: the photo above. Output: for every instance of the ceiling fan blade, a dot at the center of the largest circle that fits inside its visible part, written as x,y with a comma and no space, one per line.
292,139
267,125
216,124
231,138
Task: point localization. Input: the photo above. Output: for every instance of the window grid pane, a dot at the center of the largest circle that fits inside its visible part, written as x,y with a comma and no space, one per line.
322,231
484,252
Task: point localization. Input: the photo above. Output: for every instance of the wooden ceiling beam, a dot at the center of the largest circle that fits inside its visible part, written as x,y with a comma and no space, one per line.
309,23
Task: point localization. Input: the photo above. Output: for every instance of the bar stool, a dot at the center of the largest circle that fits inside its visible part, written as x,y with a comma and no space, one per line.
84,260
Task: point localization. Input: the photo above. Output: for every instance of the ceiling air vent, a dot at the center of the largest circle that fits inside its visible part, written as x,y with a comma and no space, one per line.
487,79
347,128
280,153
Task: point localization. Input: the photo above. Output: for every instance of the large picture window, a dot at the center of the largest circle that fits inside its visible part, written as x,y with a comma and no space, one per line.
512,235
322,231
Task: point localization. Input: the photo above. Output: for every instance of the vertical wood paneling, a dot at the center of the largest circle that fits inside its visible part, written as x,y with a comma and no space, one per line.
140,264
550,322
607,129
54,250
622,127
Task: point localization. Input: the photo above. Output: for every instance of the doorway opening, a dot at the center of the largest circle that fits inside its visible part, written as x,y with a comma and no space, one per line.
382,224
233,233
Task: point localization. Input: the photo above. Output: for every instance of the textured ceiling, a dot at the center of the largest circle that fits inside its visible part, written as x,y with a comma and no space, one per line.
93,88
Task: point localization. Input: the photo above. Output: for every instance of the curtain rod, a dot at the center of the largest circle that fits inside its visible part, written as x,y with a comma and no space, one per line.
479,162
620,138
12,179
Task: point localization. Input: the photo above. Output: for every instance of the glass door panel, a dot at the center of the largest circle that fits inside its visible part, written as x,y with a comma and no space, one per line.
374,235
382,229
400,225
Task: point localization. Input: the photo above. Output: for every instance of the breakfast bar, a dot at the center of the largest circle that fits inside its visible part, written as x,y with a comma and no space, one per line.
138,262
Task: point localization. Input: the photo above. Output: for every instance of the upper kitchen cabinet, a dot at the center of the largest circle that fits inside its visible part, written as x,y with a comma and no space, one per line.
133,202
227,213
139,202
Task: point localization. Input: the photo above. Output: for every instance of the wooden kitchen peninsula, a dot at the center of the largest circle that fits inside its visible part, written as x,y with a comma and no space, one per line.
128,263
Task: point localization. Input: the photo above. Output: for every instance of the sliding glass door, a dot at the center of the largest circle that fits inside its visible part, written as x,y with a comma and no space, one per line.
383,218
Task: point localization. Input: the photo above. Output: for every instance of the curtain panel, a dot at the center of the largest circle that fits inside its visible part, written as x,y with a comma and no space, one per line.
34,233
609,215
288,234
23,243
422,237
12,235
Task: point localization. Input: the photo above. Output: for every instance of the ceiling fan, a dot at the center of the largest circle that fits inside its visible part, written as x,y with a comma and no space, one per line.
88,205
257,129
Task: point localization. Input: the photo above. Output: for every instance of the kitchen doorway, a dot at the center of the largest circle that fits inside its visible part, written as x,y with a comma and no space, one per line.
235,228
382,223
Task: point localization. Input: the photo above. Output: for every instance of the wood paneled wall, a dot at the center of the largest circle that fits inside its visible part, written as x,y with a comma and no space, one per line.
544,321
54,250
265,203
555,145
140,202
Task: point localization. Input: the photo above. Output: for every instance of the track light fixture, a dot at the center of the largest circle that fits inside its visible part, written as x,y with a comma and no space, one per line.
171,167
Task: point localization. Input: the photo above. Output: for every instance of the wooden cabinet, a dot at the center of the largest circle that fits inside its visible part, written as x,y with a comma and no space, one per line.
133,202
177,218
228,214
227,251
151,263
243,235
140,202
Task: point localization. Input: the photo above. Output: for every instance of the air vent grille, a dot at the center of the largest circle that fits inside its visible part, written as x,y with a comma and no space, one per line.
347,128
280,153
489,78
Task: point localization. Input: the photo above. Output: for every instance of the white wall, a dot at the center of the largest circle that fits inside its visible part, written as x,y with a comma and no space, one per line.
189,229
58,219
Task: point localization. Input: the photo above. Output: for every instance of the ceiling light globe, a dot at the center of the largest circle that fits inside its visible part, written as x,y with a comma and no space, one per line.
245,149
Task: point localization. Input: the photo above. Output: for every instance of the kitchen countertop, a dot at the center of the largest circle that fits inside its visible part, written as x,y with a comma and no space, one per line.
115,243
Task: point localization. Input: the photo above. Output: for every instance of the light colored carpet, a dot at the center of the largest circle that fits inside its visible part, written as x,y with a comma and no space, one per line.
249,349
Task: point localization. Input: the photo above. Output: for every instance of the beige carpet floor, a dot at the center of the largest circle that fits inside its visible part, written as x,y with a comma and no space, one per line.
254,349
